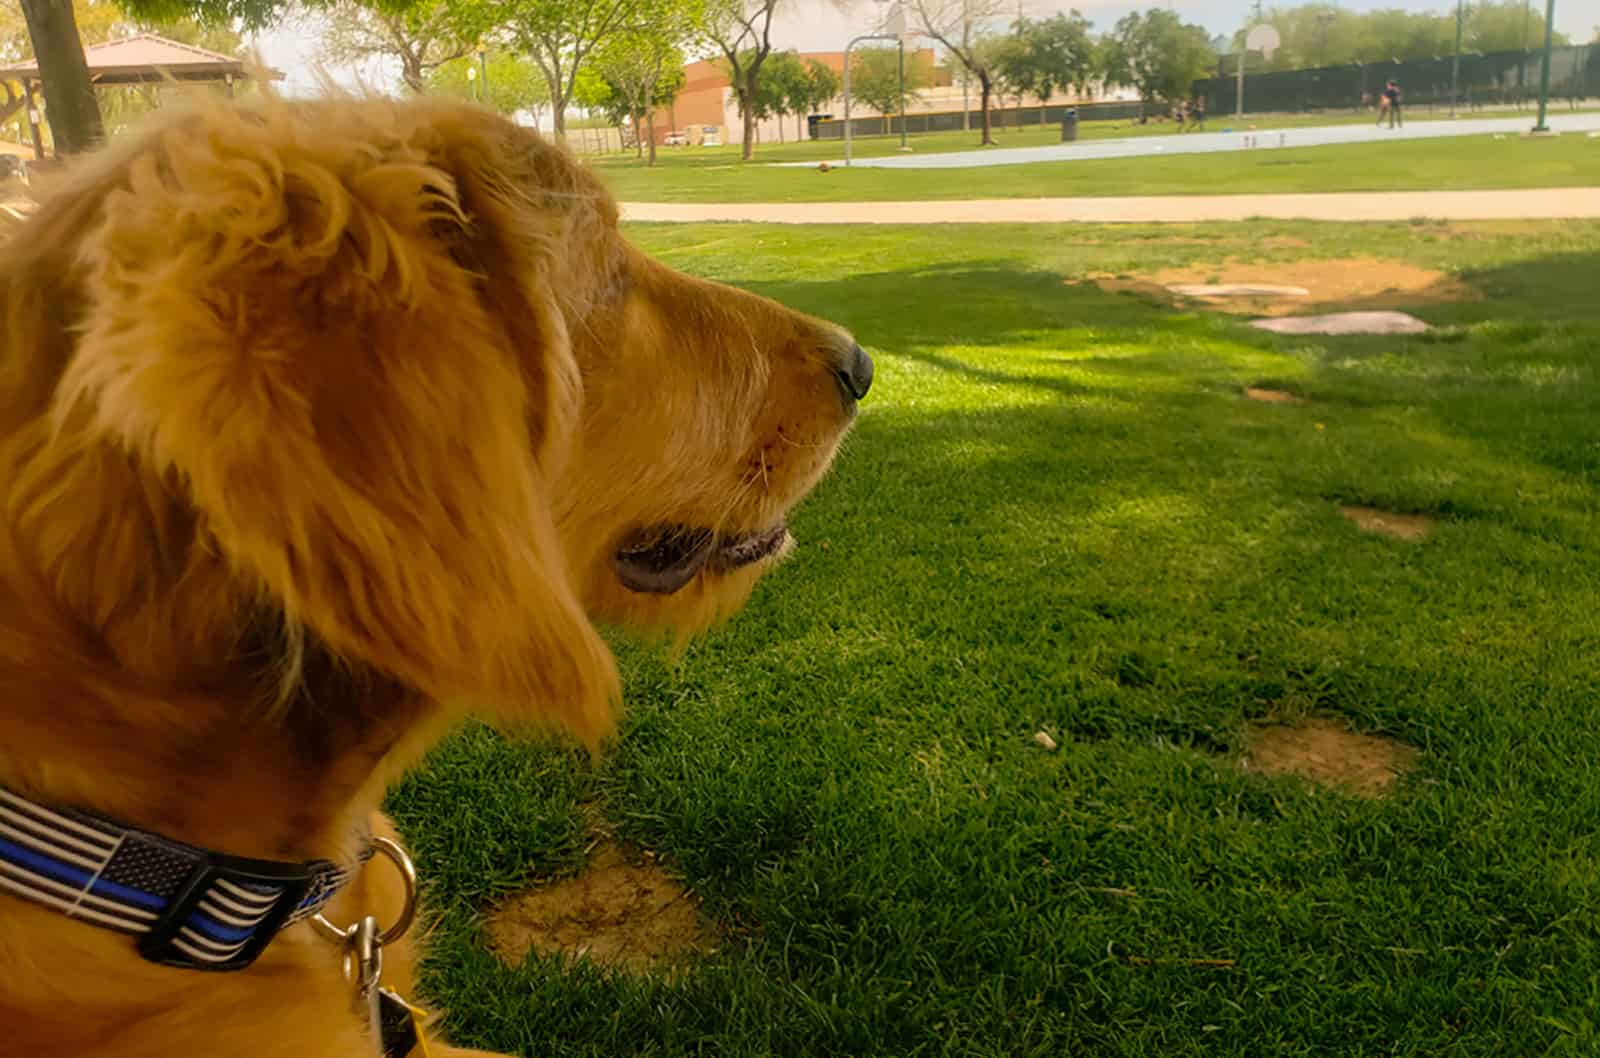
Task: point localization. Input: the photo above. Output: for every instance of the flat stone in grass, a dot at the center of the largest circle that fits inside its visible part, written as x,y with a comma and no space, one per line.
1237,290
1345,323
1327,753
1272,396
1388,523
622,912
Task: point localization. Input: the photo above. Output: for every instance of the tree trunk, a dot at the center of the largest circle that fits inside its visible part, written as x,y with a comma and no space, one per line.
799,125
749,149
650,127
411,73
638,138
558,115
74,113
985,90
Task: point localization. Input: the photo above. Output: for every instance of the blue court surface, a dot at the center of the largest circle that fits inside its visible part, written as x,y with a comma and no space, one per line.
1236,139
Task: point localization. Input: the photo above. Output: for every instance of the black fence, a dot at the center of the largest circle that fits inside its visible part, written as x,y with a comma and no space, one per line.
1497,79
830,128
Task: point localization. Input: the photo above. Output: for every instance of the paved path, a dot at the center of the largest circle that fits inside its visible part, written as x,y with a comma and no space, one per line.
1211,142
1563,203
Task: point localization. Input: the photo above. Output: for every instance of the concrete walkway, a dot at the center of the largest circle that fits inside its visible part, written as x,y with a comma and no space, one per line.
1563,203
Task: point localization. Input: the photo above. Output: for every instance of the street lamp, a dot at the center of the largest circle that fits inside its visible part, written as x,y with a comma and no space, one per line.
483,67
1455,62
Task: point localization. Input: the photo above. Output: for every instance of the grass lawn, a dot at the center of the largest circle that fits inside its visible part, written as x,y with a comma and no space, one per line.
1058,513
1463,163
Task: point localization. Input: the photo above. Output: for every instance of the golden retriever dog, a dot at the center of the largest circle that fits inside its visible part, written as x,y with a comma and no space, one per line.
321,425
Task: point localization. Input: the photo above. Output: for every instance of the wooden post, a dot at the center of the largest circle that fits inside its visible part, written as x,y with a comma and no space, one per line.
33,126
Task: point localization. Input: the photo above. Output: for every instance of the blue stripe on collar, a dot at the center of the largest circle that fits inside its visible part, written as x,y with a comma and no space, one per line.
189,907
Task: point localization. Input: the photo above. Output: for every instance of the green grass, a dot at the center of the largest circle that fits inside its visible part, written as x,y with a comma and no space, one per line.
1057,513
1460,164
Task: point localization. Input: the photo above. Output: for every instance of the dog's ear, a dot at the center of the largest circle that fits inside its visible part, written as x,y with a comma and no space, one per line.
284,317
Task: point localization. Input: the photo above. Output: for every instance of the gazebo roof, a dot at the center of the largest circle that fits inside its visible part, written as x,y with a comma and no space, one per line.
149,58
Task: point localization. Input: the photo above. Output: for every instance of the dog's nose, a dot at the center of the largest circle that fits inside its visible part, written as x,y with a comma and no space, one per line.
855,372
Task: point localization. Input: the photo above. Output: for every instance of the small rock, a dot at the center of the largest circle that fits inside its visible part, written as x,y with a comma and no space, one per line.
1044,740
824,168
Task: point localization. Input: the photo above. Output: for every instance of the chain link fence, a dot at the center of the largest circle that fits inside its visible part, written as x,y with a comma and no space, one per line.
1506,78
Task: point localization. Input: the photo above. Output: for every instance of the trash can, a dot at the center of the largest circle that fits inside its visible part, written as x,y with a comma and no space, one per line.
1069,125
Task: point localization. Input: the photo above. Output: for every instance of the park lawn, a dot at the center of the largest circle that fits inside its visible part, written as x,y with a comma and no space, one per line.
1057,513
1463,163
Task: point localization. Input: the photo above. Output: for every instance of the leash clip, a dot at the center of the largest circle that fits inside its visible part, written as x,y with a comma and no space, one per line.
392,1023
347,935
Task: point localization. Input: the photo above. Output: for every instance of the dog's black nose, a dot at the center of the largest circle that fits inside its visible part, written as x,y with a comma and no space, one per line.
855,372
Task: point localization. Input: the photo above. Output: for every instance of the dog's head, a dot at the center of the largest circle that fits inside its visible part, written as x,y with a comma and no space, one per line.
390,374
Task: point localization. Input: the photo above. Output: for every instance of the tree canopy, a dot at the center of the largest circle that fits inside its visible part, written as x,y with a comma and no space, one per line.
1158,54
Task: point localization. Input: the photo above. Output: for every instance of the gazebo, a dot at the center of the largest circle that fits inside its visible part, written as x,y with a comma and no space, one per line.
146,59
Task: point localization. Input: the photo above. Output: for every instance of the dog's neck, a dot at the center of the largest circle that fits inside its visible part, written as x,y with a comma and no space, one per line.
140,719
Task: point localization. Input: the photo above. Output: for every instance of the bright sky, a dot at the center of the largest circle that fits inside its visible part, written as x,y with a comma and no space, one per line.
818,25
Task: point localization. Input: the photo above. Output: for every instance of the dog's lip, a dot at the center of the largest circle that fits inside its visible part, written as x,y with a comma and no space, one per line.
661,559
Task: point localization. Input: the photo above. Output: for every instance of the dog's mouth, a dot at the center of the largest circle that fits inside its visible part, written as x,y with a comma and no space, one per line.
660,559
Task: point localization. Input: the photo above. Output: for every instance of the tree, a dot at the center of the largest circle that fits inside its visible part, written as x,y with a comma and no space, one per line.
1040,58
513,84
559,35
1158,54
957,24
643,68
742,32
422,36
64,73
810,93
875,79
782,85
1506,26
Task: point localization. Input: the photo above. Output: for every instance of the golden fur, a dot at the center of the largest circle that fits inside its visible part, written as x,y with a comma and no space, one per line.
318,420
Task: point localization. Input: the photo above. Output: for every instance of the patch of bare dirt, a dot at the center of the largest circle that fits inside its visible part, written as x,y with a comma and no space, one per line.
1327,753
1388,523
1272,396
1363,282
622,912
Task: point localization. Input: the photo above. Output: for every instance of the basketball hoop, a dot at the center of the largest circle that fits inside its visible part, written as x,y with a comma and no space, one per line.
1263,38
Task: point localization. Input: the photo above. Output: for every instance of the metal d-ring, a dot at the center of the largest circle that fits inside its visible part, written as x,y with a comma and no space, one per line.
408,913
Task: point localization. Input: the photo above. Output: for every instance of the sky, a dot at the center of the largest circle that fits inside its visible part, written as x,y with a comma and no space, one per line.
820,25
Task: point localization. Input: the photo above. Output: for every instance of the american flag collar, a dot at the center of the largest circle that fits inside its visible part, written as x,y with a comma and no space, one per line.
188,907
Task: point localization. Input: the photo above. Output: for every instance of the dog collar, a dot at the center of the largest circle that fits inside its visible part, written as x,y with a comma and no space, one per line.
189,907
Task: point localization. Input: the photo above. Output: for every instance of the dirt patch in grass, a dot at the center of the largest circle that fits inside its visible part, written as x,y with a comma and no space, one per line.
622,912
1388,523
1362,282
1327,753
1272,396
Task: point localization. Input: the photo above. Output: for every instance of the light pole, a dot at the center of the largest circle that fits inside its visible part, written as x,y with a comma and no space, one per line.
472,79
483,69
1544,71
903,146
1455,62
